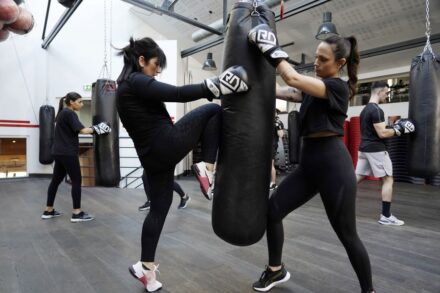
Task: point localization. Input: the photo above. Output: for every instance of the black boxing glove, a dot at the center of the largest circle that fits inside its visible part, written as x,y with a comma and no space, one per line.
265,39
403,126
233,80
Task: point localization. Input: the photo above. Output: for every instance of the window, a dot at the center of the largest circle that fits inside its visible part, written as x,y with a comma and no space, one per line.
13,157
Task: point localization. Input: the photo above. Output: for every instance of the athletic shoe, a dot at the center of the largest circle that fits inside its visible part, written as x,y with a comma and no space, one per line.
49,215
146,276
184,201
269,279
205,178
391,220
145,206
81,217
272,186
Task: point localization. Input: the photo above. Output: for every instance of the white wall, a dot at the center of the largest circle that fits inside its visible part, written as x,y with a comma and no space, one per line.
31,76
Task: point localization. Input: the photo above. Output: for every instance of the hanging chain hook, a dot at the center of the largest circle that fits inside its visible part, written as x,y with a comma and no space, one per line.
104,70
255,11
428,32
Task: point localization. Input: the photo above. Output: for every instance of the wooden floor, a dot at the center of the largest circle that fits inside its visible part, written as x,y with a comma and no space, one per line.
39,256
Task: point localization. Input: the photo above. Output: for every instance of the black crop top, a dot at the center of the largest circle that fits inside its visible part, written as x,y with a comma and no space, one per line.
319,114
141,107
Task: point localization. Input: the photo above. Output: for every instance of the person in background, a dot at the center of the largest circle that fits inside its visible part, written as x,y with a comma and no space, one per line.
373,158
184,198
278,133
65,151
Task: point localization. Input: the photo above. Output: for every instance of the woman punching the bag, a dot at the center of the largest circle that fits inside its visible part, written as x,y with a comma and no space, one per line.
159,143
65,152
325,165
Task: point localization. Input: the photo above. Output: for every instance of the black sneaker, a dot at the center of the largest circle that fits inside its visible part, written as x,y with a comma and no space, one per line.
49,215
81,217
184,201
145,206
269,279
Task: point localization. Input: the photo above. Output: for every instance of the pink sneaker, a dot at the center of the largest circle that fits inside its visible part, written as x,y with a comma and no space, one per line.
205,178
145,276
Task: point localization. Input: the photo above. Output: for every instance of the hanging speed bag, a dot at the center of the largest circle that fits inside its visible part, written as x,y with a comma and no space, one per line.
424,110
106,147
241,191
47,131
294,136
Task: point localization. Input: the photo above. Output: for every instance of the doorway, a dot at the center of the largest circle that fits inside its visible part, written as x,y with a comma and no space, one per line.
13,157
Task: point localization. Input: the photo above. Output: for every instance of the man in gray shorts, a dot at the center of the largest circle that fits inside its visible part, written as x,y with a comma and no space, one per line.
373,158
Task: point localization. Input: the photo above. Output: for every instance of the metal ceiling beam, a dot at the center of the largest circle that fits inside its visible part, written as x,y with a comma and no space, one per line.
154,8
401,46
298,8
59,25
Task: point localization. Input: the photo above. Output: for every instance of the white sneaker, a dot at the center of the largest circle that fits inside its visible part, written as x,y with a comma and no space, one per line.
391,220
145,276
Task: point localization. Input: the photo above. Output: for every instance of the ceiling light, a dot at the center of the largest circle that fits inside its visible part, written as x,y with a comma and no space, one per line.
209,64
327,28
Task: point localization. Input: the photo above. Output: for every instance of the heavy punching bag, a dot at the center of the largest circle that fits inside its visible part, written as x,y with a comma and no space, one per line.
243,167
294,131
106,147
47,130
424,110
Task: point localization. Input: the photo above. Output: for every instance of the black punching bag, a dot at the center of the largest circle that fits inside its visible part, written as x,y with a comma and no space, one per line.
106,147
294,131
424,110
241,191
47,130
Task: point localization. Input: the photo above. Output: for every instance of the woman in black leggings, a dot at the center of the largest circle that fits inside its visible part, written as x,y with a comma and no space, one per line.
325,165
159,143
65,151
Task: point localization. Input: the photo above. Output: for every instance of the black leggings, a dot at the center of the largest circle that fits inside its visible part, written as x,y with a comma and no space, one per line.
202,124
65,165
325,167
176,187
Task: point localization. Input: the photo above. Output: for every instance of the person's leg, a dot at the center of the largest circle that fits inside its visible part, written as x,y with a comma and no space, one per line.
292,192
58,175
337,186
177,188
146,205
161,196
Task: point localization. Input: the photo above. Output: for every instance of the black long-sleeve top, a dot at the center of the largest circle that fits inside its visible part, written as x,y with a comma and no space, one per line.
141,107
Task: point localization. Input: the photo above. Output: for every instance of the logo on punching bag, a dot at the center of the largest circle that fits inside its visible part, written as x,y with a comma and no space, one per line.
267,37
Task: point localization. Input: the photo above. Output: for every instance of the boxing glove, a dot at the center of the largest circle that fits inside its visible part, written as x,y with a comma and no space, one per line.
403,126
101,128
265,39
233,80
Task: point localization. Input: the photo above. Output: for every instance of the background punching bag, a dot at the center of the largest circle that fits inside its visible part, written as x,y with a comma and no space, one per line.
424,110
106,147
47,130
243,167
294,136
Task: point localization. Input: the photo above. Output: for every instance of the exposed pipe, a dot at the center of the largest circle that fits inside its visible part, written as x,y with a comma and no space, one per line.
59,25
199,35
298,8
45,20
155,8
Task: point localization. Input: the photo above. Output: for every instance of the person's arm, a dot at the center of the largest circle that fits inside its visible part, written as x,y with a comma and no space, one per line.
288,93
86,130
307,84
382,131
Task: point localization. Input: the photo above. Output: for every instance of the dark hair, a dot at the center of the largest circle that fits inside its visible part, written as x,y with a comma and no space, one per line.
67,99
379,84
347,48
143,47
